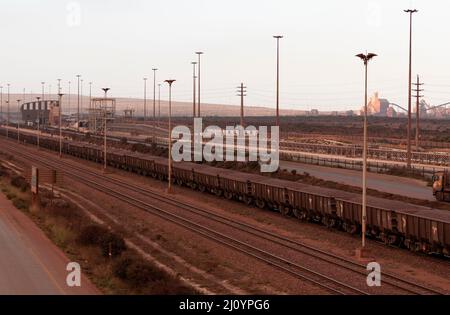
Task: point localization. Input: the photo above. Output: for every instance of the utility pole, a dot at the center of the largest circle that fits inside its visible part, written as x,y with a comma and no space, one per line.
78,103
154,93
418,96
409,87
241,93
278,37
194,77
199,53
154,104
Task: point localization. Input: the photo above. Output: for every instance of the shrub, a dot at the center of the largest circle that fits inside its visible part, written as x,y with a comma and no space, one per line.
19,182
139,273
92,235
112,243
61,208
21,204
121,265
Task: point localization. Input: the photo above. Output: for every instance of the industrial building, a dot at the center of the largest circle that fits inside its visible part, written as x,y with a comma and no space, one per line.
46,112
377,106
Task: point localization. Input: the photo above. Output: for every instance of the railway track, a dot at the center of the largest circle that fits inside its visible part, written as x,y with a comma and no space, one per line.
292,268
324,281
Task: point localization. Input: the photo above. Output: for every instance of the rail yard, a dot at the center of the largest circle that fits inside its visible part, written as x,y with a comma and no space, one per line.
390,222
225,156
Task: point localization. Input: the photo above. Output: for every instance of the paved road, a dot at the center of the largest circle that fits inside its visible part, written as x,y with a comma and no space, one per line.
386,183
29,262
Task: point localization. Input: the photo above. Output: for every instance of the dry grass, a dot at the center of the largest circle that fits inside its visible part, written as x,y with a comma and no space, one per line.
66,225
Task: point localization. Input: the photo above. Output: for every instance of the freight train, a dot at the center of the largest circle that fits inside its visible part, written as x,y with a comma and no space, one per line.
396,223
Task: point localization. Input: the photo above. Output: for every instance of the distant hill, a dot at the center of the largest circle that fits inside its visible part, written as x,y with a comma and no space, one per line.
178,108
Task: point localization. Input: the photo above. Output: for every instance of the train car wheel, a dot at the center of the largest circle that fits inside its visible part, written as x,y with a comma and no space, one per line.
260,204
228,195
285,210
202,188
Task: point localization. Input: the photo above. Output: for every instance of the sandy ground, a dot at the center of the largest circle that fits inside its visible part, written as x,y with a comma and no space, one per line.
29,262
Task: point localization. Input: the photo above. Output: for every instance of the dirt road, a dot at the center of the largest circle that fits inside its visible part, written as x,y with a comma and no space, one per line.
392,184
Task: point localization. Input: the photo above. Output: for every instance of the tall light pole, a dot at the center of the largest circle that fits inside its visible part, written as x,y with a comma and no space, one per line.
145,99
23,95
104,129
154,104
78,103
18,121
59,86
409,87
169,164
365,58
278,37
193,96
199,53
39,120
60,95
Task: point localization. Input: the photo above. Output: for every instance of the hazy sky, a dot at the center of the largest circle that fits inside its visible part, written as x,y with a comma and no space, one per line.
115,43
